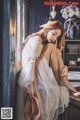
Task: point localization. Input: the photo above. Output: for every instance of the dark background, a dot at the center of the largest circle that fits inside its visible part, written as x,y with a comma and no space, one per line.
40,13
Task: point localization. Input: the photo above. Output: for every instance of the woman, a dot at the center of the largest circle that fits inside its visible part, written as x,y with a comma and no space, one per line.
43,73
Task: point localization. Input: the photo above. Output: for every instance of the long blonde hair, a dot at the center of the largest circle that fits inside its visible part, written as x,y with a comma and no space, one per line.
43,33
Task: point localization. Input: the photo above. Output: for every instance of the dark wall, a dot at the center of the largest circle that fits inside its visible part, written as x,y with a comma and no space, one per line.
0,52
12,36
39,14
7,53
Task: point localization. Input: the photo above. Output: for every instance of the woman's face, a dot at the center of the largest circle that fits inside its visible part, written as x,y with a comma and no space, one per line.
53,35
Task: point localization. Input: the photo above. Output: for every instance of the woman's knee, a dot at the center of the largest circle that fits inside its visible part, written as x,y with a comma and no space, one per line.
51,47
48,50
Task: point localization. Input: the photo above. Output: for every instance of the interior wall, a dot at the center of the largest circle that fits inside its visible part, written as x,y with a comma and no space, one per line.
39,14
0,52
7,53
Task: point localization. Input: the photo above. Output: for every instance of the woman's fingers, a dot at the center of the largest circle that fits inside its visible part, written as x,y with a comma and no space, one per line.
31,89
64,74
64,71
31,94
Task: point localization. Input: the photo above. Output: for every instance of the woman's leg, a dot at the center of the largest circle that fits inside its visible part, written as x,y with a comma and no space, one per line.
63,80
50,54
54,58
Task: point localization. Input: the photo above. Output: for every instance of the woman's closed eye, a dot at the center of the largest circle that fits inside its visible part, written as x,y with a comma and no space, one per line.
54,33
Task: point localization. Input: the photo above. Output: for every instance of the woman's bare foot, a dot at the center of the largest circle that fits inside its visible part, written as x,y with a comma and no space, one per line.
77,94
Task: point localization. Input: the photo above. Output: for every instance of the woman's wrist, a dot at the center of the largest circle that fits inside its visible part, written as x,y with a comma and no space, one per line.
30,83
66,68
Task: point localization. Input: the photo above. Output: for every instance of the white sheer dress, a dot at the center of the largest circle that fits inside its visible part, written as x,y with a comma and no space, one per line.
53,98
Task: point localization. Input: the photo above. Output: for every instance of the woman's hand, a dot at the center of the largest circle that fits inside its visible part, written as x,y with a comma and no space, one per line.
64,71
77,94
31,89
